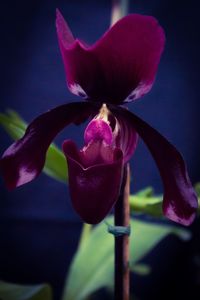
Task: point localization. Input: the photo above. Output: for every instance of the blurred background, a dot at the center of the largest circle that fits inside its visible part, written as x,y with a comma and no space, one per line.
38,228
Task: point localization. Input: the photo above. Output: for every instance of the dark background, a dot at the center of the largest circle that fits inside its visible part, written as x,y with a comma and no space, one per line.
38,228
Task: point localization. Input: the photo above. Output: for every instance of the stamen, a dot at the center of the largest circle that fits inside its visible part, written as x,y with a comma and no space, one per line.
104,113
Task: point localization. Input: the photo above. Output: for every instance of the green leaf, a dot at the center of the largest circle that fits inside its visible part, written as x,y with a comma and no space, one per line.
55,164
149,205
85,234
146,192
93,264
197,188
15,117
140,269
11,291
145,202
12,127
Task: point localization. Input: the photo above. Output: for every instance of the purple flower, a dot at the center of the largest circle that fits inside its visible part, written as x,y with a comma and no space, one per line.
120,67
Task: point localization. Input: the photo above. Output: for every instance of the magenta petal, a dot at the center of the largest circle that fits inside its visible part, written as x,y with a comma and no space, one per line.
24,159
94,190
120,66
63,30
98,130
180,200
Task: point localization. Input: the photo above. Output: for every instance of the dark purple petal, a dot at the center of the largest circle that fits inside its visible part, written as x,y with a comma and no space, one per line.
120,66
127,139
180,200
24,159
63,30
94,189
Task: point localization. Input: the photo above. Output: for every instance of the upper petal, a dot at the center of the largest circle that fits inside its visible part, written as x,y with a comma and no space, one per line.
120,66
24,159
180,200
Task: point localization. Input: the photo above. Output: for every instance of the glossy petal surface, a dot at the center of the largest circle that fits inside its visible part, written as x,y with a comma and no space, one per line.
120,66
24,159
94,185
180,200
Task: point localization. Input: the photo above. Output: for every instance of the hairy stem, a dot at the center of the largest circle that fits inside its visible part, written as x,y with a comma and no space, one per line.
122,218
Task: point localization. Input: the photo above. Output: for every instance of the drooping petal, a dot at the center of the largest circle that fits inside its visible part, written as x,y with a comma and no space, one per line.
23,160
120,66
180,200
94,189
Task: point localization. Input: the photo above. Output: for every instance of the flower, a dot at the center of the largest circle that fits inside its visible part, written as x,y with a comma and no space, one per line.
120,67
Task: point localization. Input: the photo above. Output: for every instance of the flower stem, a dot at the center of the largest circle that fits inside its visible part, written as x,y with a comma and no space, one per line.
119,10
122,218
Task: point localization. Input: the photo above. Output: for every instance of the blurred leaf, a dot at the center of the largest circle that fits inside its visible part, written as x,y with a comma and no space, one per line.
85,234
92,267
149,205
197,188
12,127
55,164
10,291
140,269
15,117
145,201
146,192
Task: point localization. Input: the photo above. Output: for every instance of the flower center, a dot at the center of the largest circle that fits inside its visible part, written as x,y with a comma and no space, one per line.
99,128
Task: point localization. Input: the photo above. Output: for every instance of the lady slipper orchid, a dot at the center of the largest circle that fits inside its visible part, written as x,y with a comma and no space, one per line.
120,67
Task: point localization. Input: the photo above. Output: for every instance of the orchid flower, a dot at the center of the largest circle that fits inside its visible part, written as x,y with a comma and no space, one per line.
120,67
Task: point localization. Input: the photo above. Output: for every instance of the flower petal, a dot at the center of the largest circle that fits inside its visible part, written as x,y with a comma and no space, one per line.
126,139
180,200
95,189
120,66
24,159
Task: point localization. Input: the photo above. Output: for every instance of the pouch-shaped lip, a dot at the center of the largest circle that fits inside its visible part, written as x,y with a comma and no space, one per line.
94,189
